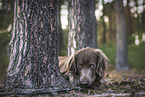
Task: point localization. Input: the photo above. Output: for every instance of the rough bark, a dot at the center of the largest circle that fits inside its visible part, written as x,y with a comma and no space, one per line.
82,25
121,41
34,47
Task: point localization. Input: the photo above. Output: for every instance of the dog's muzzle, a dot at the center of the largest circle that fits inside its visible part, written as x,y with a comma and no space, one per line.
86,77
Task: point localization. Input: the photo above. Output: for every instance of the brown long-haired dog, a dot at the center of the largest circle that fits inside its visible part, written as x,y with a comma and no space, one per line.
85,68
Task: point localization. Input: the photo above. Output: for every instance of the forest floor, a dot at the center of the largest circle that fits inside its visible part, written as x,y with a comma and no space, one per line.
127,84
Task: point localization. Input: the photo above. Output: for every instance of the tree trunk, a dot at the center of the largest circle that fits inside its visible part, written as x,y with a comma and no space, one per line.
112,22
82,25
6,13
104,24
129,18
121,42
60,30
143,18
33,48
137,18
104,30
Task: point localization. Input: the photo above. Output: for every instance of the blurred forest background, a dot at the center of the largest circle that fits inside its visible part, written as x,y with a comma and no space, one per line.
106,31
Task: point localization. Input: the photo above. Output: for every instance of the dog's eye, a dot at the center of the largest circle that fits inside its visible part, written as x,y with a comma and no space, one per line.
80,65
91,65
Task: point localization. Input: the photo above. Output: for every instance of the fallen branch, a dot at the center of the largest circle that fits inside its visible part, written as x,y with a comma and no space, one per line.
122,94
18,91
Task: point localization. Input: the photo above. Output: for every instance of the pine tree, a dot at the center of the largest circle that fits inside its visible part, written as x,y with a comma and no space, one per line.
33,61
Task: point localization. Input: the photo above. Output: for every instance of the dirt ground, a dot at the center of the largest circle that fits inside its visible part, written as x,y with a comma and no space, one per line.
118,84
128,84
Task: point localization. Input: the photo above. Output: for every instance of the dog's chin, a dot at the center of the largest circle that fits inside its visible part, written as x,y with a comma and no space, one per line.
85,85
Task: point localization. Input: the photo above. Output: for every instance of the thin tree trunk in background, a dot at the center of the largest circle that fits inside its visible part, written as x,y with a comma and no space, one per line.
143,17
129,18
60,29
82,25
6,13
137,18
121,41
104,24
33,47
104,30
112,25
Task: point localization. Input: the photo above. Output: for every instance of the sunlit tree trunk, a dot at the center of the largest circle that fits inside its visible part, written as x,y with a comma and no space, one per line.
33,48
121,41
82,25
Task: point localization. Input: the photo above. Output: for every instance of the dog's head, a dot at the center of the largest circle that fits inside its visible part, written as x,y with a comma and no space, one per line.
87,66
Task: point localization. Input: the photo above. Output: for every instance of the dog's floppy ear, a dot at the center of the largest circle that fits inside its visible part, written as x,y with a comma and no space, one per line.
65,64
102,63
68,65
72,65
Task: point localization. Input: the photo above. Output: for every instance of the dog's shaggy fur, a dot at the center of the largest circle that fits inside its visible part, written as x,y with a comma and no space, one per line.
85,68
